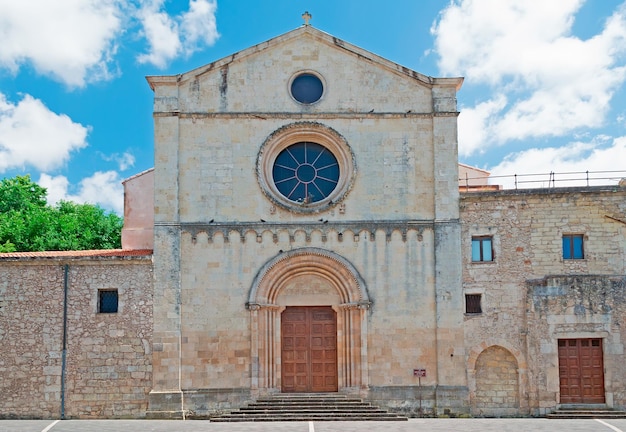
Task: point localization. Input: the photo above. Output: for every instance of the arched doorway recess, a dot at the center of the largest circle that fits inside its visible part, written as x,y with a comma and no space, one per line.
308,277
497,383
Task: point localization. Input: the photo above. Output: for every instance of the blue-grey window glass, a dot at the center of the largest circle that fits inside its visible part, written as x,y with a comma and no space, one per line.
307,88
482,249
107,301
573,246
305,172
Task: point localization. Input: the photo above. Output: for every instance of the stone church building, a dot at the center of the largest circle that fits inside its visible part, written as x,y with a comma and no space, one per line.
304,229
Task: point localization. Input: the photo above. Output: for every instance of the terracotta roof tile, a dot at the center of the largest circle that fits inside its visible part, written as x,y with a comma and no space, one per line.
78,254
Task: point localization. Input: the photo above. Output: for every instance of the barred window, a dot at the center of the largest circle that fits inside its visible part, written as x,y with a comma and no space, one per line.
472,304
107,301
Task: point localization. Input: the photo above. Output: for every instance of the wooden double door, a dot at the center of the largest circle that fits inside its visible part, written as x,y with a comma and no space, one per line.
581,371
309,349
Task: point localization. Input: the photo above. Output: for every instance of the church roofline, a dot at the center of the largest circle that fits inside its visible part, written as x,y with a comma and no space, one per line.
101,253
473,168
134,176
456,82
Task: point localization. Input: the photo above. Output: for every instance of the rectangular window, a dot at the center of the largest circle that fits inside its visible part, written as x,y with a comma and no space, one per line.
107,301
482,249
472,304
573,246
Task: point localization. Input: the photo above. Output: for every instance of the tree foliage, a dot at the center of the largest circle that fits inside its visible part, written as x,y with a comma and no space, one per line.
28,223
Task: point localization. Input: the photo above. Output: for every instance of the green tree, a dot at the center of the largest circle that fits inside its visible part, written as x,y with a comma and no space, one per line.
27,223
21,193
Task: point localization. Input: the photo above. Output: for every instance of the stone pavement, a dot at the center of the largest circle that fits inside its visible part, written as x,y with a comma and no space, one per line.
413,425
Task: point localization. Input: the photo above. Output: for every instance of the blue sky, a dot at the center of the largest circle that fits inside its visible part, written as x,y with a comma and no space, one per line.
544,86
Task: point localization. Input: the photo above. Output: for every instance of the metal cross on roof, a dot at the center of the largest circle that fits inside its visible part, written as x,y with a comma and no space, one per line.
306,16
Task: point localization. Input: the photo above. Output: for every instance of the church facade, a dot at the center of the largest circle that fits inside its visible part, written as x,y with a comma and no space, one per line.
299,180
303,231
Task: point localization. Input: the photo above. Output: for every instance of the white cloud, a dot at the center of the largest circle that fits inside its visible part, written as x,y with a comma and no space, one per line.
198,25
103,188
475,122
70,40
124,161
32,135
161,32
554,82
490,39
597,156
169,37
75,41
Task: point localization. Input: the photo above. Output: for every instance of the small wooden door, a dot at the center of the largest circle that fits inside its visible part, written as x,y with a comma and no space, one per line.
309,349
581,371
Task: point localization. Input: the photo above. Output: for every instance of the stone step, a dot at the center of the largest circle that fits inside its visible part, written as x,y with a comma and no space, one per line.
305,397
307,410
586,416
307,400
308,407
303,408
304,419
571,413
240,417
348,403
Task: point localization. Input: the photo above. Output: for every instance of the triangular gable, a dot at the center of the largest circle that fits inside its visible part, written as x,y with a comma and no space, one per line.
307,31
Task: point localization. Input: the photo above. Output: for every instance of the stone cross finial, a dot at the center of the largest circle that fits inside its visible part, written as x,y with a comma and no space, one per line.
306,16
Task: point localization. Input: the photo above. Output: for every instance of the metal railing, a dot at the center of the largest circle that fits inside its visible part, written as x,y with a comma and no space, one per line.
546,180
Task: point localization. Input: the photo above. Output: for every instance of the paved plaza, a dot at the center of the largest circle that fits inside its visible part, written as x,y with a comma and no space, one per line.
413,425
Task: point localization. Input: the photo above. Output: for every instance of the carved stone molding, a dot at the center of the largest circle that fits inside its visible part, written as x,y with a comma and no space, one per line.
349,230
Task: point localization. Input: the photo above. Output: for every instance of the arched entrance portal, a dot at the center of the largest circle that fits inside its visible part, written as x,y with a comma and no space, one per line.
306,285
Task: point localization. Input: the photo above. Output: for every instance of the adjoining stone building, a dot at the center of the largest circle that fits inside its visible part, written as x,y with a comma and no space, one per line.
551,293
308,235
62,353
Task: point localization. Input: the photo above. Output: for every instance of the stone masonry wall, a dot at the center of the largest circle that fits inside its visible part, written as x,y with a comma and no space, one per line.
108,360
31,322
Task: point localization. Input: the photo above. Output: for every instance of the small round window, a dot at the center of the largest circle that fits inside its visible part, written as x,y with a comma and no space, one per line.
307,88
305,172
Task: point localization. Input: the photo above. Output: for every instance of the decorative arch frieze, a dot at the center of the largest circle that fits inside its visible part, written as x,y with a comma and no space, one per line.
345,230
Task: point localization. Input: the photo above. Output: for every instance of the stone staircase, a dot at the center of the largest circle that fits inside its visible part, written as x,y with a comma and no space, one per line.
592,411
308,407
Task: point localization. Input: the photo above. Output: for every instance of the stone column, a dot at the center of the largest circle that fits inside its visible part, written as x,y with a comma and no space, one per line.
452,391
166,395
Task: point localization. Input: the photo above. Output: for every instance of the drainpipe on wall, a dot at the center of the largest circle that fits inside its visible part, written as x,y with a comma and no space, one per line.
64,344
